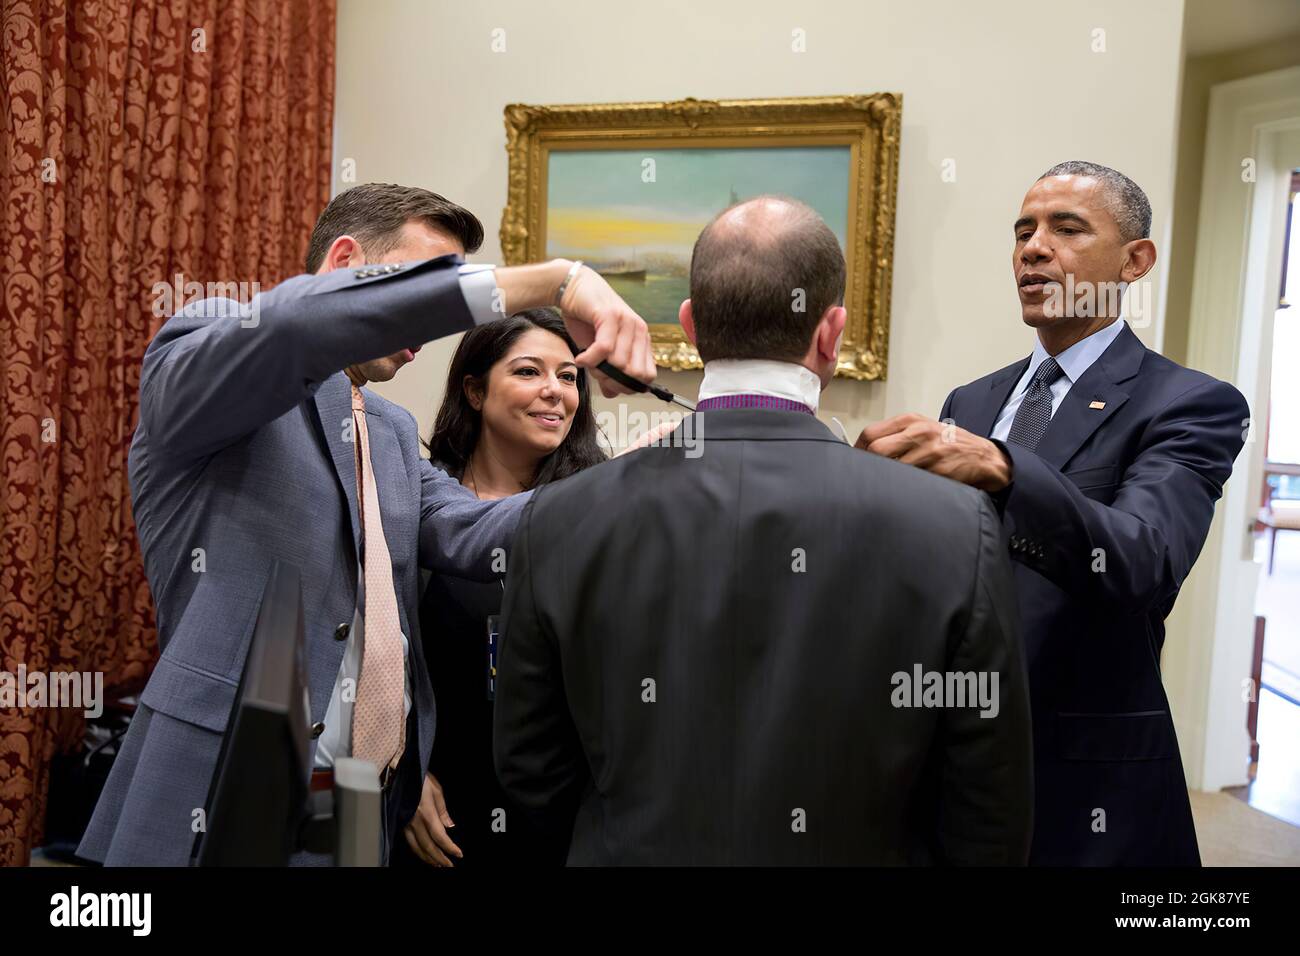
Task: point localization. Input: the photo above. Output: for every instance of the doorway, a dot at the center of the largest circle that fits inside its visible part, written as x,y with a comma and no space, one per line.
1274,716
1252,149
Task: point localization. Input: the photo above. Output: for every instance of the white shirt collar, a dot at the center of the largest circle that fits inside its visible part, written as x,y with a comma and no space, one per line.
1078,358
760,377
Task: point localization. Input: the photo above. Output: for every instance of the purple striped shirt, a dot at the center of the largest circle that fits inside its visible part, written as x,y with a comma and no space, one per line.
752,401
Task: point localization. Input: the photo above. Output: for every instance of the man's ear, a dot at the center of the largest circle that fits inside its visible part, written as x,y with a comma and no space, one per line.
687,320
473,392
344,253
830,330
1139,258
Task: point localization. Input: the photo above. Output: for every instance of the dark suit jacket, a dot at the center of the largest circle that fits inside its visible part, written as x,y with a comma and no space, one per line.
1106,518
770,587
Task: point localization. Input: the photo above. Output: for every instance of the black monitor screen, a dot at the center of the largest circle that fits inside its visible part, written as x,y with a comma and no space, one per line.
259,792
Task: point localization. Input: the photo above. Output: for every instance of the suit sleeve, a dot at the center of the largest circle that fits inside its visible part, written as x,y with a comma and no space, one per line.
219,370
538,755
460,534
986,802
946,412
1135,552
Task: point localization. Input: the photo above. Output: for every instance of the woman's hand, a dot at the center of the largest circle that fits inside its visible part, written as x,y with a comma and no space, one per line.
651,436
427,834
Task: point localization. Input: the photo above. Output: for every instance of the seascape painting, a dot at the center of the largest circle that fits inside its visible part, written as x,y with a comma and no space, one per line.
628,187
633,215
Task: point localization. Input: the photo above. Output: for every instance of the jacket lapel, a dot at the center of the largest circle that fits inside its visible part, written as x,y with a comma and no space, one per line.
985,414
334,407
1094,398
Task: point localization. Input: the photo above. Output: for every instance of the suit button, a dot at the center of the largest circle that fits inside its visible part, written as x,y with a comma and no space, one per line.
317,729
341,632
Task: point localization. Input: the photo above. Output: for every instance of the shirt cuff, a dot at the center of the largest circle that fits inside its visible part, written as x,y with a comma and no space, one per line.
478,284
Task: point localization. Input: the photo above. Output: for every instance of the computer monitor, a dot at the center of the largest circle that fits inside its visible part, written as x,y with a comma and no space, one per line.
259,797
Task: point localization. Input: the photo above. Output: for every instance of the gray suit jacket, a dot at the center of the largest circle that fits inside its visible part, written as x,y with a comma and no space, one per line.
241,451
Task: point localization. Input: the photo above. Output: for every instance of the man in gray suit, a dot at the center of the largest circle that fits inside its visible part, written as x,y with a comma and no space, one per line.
254,430
785,651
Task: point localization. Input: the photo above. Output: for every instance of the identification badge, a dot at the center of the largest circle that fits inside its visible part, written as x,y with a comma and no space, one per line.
493,640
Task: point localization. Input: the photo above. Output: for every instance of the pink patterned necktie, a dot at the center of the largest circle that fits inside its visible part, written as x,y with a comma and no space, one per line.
378,717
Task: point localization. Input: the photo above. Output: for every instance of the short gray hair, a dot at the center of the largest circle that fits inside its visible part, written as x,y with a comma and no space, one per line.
1128,203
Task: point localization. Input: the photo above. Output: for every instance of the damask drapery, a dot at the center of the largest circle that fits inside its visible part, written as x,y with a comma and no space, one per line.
142,140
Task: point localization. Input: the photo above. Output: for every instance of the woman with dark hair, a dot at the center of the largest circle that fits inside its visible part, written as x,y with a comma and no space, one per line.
508,437
516,414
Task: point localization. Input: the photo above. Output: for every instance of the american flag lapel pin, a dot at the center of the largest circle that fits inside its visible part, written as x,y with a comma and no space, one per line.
1098,405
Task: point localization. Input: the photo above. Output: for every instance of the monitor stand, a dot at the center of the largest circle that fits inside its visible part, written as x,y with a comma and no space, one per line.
347,821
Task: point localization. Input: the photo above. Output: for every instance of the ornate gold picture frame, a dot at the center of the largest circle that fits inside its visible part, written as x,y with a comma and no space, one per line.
853,136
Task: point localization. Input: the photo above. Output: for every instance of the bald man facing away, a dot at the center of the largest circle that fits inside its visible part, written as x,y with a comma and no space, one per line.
762,646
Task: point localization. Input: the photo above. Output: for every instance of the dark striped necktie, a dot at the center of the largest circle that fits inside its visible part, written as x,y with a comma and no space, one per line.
1035,412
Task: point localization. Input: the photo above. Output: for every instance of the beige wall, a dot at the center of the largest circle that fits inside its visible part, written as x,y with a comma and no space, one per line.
1200,73
1003,89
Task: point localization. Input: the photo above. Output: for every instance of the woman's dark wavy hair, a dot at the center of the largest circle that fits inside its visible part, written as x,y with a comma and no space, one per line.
458,426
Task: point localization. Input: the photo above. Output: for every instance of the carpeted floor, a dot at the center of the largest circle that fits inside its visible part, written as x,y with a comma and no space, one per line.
1232,833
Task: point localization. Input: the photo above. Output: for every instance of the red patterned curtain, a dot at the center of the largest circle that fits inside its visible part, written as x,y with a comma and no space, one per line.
141,139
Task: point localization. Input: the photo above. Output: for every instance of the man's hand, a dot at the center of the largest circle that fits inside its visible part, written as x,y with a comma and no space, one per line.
943,449
607,330
601,323
426,834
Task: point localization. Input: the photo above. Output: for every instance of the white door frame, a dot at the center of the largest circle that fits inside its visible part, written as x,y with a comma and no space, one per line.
1234,294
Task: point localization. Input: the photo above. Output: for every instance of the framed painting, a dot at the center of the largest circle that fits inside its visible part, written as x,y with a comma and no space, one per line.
627,187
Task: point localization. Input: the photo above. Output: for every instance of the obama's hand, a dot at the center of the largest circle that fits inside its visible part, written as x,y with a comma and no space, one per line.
941,448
